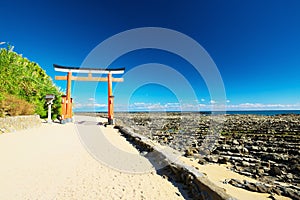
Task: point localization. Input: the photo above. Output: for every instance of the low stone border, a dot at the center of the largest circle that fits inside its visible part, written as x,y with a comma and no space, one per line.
198,184
11,124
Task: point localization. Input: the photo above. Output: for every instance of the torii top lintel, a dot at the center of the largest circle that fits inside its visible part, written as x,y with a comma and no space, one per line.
84,70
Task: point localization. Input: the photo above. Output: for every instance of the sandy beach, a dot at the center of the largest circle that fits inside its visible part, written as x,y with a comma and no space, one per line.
50,162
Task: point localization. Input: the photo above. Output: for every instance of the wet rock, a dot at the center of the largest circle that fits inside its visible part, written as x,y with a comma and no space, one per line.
223,160
254,148
275,171
260,171
235,142
276,191
254,144
272,197
216,151
296,169
188,152
237,168
225,147
245,150
236,160
246,173
201,161
236,183
211,158
262,188
235,149
290,176
290,193
245,164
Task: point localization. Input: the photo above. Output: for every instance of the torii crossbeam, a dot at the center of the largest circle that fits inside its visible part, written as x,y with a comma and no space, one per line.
67,100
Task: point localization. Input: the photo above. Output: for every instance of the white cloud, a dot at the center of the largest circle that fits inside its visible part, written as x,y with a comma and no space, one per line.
227,101
248,106
260,106
212,106
146,106
89,105
91,99
176,106
172,105
100,105
155,106
137,104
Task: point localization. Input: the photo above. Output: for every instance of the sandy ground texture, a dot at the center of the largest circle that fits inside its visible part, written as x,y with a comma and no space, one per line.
51,162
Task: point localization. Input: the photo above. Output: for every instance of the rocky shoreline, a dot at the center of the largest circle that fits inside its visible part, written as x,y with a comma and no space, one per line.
266,148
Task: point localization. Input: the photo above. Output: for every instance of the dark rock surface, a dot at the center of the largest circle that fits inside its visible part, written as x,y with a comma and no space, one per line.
288,191
266,148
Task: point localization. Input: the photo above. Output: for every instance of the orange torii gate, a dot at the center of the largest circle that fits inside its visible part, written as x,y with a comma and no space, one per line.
67,100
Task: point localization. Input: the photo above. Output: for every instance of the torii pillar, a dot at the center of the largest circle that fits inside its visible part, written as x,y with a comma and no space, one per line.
67,100
110,101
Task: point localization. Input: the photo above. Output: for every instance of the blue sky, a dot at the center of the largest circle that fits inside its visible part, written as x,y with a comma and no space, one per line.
254,44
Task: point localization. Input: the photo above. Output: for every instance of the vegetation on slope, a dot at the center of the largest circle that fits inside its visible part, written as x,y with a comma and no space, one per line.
23,86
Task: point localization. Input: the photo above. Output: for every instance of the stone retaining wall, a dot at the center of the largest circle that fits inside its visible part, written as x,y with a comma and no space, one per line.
198,184
11,124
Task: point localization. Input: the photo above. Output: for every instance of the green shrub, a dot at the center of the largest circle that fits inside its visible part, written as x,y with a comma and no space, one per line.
27,82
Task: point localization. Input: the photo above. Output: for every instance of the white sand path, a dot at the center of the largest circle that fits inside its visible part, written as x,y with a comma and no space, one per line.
50,162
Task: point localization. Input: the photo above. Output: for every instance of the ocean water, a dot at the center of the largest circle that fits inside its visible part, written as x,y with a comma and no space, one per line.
240,112
257,112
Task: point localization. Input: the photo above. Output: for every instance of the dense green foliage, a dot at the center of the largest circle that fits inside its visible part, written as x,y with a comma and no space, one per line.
24,81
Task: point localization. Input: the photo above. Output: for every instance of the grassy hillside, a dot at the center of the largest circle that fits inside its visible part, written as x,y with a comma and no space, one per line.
23,86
